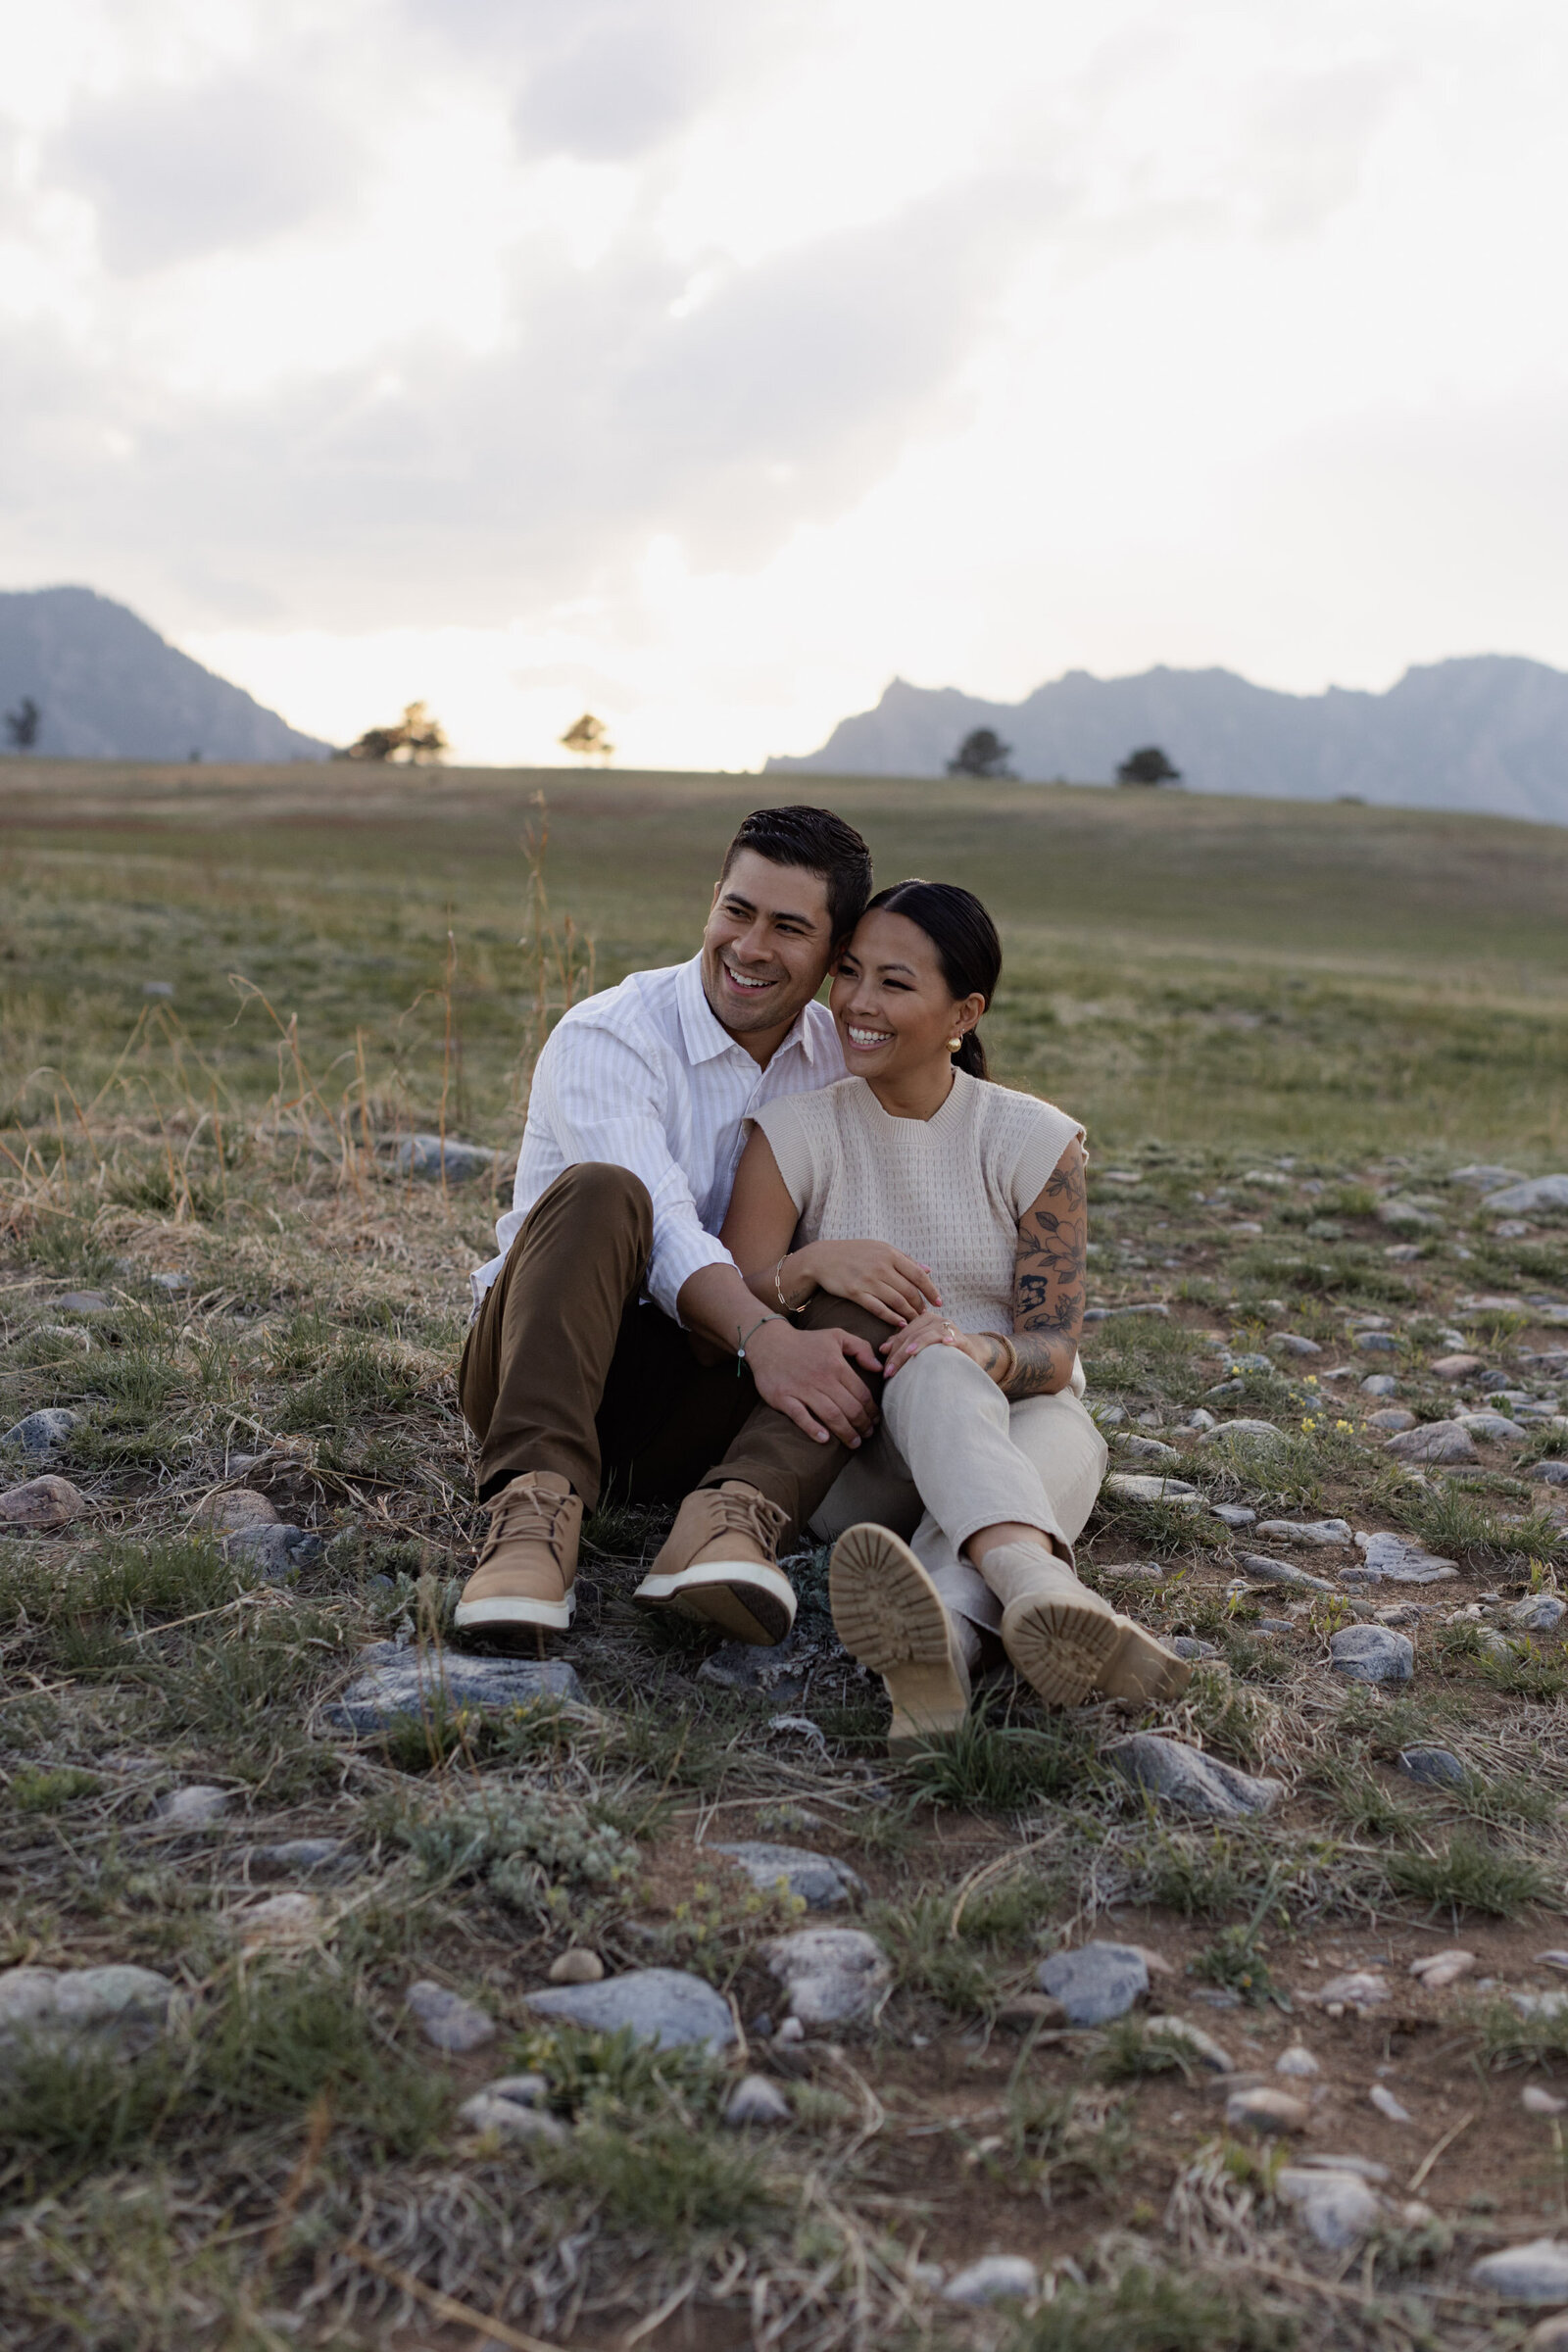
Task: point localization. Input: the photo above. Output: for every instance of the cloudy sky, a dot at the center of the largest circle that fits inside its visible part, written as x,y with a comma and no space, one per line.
708,361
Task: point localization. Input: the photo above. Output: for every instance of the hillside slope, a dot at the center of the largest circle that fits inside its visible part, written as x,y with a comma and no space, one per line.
1486,733
110,688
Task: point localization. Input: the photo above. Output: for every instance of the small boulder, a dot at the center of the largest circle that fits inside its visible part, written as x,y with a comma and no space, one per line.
1132,1486
1535,2099
667,2007
999,2278
834,1974
1244,1437
1281,1572
435,1157
42,1432
1458,1367
1400,1560
1392,1417
1096,1982
1536,1613
1190,1782
1324,1534
1519,1200
1377,1343
1189,2041
40,1504
1550,1474
1338,2208
1383,2099
1294,1343
275,1551
1434,1972
1296,2062
1262,2108
1234,1515
448,2020
756,2100
1436,1442
1489,1427
112,1995
282,1920
1433,1767
332,1856
1534,2273
507,2119
1372,1653
1357,1988
193,1808
234,1511
1146,1449
816,1879
398,1684
576,1966
1380,1384
83,1303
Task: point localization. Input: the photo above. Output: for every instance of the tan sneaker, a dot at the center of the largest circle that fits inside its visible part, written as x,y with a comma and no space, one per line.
889,1614
720,1563
529,1561
1070,1642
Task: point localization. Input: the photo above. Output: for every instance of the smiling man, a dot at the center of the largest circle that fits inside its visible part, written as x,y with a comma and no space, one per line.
615,1345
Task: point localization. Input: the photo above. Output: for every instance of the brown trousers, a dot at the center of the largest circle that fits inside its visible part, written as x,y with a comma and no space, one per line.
564,1369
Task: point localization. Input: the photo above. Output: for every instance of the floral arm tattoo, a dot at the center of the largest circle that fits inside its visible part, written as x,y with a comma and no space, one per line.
1048,1284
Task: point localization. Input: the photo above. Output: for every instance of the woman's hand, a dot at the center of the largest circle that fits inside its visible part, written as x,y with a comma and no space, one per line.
873,1275
931,1330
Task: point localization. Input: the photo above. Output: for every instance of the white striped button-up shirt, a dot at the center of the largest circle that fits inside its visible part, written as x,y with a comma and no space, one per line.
645,1077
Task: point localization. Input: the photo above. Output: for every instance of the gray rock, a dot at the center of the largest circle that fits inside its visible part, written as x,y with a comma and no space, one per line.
1281,1572
1146,1449
1190,2041
1357,1988
27,1996
1192,1783
1400,1560
1096,1982
1392,1417
1244,1437
41,1433
1259,2107
1294,1343
406,1682
780,1673
1380,1384
1132,1486
816,1879
1338,2208
999,2278
83,1303
1489,1426
1484,1178
1251,1363
665,2007
486,2112
1536,1613
1540,1192
1535,2272
1377,1343
1200,1418
98,1997
523,2090
1276,1625
1550,1474
757,2100
448,2020
193,1808
1457,1367
1326,1533
234,1511
41,1504
1372,1653
1188,1645
834,1974
1434,1441
1433,1767
1235,1515
1296,2062
296,1854
431,1156
277,1551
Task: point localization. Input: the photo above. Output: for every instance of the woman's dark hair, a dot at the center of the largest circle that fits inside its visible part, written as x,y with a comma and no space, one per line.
822,844
965,940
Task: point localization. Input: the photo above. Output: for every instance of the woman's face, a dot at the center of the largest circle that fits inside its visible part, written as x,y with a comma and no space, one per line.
893,1010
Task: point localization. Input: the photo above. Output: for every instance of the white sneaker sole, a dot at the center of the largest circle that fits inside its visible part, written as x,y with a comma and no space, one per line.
497,1615
889,1614
748,1601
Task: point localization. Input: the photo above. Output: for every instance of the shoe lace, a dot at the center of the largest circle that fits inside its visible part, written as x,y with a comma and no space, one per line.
527,1511
750,1515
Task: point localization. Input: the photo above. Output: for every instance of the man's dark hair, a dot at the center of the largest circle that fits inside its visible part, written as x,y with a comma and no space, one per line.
819,843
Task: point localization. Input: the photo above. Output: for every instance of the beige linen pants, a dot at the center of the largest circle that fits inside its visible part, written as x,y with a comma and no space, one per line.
950,1455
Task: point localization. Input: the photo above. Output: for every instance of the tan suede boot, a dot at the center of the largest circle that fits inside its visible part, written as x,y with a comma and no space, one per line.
889,1614
720,1563
1066,1641
529,1561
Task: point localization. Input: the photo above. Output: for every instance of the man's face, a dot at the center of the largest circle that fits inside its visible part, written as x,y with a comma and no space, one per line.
765,948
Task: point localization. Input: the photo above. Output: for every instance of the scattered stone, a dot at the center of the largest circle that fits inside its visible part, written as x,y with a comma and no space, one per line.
1377,1343
576,1966
1483,1179
1200,1418
1539,2004
332,1854
780,1673
757,2100
234,1511
277,1550
1536,2101
1276,1625
1383,2099
1398,1560
1027,2009
1366,2167
1096,1982
48,2000
999,2278
815,1880
283,1918
1551,1474
27,1995
448,2020
1134,1485
434,1156
1537,1613
1458,1367
1339,2208
1190,2041
193,1808
1550,2334
523,2090
42,1432
83,1303
665,2007
1141,1572
1190,1782
1320,1531
1433,1767
403,1683
1281,1572
1372,1653
1554,1959
1252,1362
1294,1343
834,1974
1146,1449
1433,1441
1296,2061
511,2119
791,2030
1357,1988
1392,1417
1188,1645
1261,2108
1544,1192
41,1503
1142,1307
1245,1437
1380,1384
1535,2272
1491,1426
1235,1515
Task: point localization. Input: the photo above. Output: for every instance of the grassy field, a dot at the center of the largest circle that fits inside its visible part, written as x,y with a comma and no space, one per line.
1287,1029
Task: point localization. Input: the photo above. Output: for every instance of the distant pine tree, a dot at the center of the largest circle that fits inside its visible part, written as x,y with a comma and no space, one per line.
1148,766
982,752
417,738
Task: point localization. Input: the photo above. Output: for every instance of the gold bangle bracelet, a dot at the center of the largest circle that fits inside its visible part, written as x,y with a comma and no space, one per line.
778,1287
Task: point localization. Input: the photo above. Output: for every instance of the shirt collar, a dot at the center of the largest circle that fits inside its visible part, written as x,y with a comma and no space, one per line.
704,1035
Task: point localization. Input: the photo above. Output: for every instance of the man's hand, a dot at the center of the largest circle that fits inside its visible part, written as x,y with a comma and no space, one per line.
809,1375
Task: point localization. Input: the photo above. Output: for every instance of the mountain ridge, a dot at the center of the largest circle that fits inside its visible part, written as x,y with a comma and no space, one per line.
1485,732
108,687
